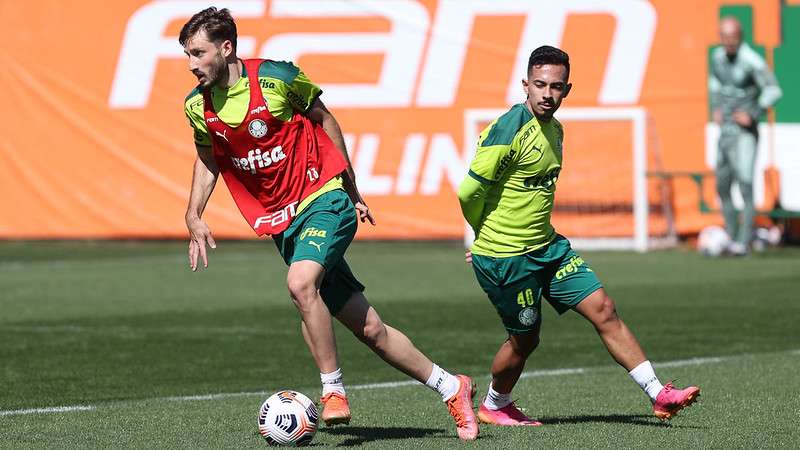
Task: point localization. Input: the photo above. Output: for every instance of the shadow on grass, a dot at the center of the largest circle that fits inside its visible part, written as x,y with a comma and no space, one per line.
361,435
631,419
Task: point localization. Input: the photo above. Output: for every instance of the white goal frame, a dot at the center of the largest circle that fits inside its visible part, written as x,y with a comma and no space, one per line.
637,116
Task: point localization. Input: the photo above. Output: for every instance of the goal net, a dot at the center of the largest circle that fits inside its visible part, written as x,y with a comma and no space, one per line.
604,198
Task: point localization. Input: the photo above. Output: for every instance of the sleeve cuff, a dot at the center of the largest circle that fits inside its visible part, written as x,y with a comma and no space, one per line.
311,103
480,179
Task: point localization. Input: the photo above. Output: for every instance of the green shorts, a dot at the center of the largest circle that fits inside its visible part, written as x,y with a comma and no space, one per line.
515,285
322,232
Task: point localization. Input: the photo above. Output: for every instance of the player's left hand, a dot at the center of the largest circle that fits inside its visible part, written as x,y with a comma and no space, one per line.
199,237
742,118
363,213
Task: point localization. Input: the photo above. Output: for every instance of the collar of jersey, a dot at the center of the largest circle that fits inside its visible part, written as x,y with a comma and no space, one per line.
238,87
531,116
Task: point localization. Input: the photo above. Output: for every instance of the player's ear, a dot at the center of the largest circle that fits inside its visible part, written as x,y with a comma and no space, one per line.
227,48
567,89
525,87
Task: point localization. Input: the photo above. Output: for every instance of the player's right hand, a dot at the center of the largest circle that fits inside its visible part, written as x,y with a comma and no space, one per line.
742,118
717,116
364,213
199,237
468,257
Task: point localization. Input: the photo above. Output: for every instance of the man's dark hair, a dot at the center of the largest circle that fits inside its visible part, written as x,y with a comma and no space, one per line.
548,55
217,23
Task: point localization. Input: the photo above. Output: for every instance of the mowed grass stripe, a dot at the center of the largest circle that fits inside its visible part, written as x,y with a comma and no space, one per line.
390,384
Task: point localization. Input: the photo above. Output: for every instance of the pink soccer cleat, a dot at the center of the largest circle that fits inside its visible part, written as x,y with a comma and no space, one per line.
509,416
670,400
460,407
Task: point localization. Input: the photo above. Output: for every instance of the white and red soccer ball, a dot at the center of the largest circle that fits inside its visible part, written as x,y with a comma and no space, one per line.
288,418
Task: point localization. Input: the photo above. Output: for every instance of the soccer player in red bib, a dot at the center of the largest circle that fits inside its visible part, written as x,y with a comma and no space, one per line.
261,125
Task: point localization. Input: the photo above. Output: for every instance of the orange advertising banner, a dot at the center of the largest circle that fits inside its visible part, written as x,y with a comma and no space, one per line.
95,143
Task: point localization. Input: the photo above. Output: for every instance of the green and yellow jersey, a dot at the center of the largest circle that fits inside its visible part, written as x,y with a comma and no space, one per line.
508,194
286,90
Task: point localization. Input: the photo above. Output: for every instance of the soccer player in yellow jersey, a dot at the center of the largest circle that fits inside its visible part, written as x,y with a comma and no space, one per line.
518,258
274,164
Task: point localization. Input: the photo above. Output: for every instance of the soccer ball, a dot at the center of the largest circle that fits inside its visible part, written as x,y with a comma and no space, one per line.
713,241
288,418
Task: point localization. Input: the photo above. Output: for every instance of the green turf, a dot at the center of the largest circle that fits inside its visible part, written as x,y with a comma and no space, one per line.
123,326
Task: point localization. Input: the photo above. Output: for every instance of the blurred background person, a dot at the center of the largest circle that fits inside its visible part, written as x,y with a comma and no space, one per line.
741,88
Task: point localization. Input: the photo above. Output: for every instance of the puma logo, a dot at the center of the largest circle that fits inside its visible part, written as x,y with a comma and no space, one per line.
222,135
319,246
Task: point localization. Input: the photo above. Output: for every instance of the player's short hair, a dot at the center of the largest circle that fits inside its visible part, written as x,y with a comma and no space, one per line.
217,23
548,55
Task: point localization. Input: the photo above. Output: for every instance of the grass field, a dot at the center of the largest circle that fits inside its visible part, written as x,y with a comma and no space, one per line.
147,354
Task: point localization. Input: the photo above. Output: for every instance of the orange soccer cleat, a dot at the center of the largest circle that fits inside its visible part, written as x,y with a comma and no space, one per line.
336,409
460,407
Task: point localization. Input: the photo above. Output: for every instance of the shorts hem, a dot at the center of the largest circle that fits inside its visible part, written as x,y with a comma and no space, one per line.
319,261
516,331
584,293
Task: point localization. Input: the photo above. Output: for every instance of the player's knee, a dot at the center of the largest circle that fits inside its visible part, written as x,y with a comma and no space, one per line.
524,345
526,349
723,188
302,290
746,189
373,333
723,184
605,314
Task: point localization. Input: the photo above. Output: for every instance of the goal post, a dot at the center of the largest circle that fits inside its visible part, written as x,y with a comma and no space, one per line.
609,138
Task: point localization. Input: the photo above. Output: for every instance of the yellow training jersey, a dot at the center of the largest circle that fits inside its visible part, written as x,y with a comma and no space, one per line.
519,159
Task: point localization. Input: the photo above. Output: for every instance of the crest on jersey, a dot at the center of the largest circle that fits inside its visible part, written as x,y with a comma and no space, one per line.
528,316
257,128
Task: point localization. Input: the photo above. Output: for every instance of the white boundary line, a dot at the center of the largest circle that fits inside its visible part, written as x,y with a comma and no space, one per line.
56,409
393,384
